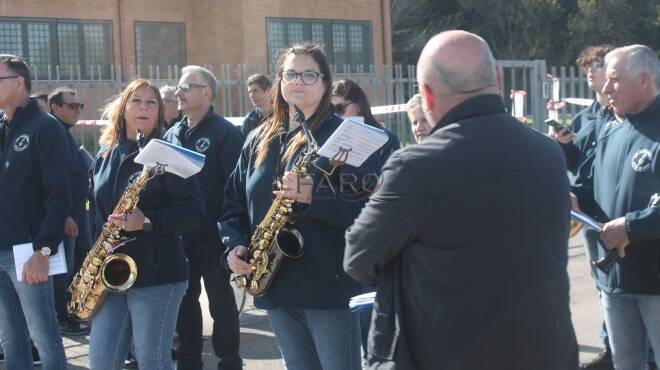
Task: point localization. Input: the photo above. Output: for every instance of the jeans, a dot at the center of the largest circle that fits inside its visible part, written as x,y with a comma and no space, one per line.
20,301
146,315
61,282
312,339
204,260
631,319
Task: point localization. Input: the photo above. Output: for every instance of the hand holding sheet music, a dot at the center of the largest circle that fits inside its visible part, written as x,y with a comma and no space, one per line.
587,221
353,142
177,160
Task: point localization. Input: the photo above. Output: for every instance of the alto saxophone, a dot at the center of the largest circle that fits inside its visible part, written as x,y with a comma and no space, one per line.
272,240
104,271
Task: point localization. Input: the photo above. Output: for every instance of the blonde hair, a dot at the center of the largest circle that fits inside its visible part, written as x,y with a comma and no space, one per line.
113,112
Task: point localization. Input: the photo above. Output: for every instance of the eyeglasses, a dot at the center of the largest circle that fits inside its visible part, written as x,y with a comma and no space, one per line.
308,77
185,86
7,77
75,106
340,108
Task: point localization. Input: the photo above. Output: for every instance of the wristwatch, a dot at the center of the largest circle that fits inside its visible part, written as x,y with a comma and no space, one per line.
147,224
45,251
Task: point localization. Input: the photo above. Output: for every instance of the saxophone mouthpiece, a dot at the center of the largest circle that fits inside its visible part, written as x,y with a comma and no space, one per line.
298,115
140,139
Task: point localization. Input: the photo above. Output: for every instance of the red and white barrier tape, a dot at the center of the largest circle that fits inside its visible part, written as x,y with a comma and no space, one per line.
238,121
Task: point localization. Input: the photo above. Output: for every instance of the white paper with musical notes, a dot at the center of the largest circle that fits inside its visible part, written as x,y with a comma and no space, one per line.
353,142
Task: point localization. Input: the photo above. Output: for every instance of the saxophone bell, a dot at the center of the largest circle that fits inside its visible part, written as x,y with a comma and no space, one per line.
118,272
290,242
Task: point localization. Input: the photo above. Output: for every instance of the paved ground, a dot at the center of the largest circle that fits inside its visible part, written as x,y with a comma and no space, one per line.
259,350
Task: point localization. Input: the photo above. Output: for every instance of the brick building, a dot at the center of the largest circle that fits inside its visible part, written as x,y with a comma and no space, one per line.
95,34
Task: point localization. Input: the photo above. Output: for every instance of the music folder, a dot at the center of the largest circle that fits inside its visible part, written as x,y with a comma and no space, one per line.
177,160
353,142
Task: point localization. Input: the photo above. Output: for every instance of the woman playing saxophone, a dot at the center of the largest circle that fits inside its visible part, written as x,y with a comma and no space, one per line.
307,302
147,312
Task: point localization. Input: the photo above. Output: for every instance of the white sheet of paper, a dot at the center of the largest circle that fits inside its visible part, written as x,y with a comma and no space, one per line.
518,105
586,221
179,161
362,140
23,252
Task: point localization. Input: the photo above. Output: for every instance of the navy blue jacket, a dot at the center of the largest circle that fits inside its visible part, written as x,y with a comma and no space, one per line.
35,198
251,121
315,280
469,267
171,203
626,174
221,143
79,175
586,125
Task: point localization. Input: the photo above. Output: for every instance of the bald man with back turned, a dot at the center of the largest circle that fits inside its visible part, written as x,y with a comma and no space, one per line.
466,239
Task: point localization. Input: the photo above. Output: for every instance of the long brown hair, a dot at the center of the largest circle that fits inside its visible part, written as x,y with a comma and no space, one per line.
271,129
114,114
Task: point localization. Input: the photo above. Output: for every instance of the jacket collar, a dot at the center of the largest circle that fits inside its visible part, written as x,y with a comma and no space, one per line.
648,114
480,105
207,117
24,111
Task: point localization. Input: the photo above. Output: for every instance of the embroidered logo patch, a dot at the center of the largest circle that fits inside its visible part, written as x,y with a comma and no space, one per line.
641,161
202,144
21,143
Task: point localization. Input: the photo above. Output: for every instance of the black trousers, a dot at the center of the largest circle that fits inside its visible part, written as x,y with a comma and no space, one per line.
204,259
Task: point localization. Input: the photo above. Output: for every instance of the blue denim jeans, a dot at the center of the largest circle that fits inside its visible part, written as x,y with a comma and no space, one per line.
317,339
631,319
61,281
20,301
146,315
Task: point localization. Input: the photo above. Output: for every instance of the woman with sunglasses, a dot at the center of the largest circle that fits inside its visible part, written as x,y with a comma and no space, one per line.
168,204
349,100
307,303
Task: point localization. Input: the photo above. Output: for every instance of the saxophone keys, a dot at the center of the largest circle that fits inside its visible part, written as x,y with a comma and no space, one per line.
267,235
257,253
254,285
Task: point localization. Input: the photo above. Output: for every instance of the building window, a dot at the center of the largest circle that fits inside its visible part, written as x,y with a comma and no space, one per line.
49,43
344,42
160,44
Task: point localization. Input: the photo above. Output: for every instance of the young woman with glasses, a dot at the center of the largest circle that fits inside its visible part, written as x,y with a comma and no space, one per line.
307,302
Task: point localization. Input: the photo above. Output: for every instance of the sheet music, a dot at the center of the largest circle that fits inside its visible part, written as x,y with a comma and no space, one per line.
353,142
587,221
362,301
23,252
179,161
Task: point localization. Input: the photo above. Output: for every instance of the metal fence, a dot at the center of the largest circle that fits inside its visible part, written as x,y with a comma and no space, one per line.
384,85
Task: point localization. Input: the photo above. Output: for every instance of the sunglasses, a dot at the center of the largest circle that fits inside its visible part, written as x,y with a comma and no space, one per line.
308,77
75,106
340,108
185,86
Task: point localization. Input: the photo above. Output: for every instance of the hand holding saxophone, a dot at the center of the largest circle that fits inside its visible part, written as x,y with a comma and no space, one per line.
129,221
615,236
296,188
236,260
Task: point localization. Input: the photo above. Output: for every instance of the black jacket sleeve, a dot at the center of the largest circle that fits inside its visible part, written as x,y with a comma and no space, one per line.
79,181
385,224
230,150
52,160
185,209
